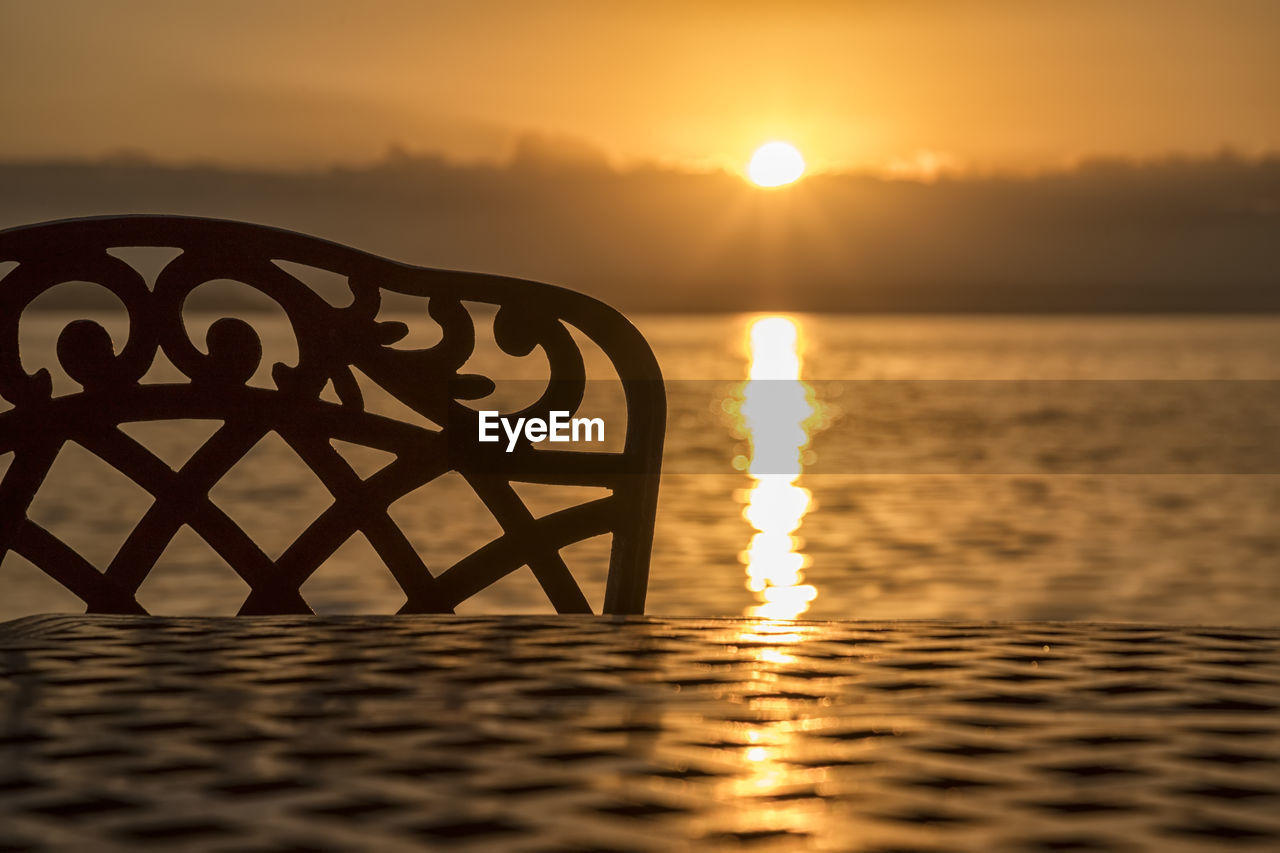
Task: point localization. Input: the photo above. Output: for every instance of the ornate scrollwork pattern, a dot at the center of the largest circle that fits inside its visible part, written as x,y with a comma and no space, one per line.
332,343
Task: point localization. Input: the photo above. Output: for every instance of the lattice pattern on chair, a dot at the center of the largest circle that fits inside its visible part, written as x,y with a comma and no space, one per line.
331,343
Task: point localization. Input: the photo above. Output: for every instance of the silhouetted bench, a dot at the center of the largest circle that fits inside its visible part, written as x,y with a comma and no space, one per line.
332,342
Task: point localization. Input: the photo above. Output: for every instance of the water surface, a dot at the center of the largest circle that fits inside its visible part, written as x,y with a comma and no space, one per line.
1049,503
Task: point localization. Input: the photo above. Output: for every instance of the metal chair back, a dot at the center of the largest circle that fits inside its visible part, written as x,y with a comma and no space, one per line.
333,345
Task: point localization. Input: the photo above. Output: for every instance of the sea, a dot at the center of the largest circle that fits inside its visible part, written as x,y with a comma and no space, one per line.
1103,468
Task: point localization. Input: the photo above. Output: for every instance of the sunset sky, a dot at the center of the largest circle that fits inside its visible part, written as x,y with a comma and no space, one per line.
856,85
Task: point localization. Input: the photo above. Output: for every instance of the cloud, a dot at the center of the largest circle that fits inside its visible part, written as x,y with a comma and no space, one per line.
546,152
1177,234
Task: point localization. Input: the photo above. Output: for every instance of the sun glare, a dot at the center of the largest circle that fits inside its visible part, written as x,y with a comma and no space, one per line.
775,164
777,413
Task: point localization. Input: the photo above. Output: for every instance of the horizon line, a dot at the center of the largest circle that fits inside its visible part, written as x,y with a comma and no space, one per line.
396,156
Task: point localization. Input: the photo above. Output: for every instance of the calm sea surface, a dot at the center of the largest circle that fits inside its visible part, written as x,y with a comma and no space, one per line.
831,467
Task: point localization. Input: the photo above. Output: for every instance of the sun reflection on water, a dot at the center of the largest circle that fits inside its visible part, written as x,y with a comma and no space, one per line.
776,413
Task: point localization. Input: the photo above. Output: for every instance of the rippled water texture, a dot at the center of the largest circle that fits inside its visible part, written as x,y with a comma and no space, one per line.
975,503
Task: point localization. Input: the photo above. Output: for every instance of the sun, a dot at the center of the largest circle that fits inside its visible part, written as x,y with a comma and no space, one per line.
775,164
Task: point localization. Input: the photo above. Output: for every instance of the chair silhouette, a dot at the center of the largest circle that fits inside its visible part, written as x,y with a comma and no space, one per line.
331,342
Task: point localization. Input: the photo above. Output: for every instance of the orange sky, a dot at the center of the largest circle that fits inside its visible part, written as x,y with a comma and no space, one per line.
997,84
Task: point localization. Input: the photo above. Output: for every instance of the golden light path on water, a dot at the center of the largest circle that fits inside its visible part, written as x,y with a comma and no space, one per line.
776,413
